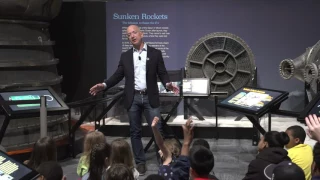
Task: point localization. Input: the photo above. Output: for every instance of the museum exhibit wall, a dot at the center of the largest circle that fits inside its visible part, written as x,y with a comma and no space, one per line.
91,40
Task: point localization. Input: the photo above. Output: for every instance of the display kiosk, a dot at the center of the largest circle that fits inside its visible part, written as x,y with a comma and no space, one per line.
12,169
194,88
254,103
312,108
25,103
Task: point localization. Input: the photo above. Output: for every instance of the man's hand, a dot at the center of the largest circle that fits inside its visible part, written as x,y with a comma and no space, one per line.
313,130
155,122
188,132
96,88
173,88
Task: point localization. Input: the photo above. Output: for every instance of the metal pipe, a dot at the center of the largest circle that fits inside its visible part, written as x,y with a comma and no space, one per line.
43,117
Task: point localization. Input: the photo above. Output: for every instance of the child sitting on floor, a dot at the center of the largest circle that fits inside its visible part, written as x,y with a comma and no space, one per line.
43,150
91,139
121,154
99,161
299,153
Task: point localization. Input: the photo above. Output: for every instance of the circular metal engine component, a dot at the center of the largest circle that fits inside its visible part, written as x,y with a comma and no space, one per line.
310,72
304,68
286,69
224,58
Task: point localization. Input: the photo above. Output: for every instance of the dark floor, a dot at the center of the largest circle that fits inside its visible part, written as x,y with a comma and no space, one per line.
232,157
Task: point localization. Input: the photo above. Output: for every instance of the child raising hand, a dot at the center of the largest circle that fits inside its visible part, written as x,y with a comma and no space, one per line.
169,151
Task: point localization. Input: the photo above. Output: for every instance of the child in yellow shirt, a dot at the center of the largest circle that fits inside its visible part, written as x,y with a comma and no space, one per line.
300,153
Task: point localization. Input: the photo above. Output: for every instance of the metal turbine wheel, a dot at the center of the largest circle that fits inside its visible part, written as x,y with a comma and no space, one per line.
224,58
311,72
286,68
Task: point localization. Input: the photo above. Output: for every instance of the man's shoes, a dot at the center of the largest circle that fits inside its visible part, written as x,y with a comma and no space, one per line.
141,168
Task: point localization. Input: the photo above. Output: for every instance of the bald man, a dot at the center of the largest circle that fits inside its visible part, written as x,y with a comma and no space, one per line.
140,66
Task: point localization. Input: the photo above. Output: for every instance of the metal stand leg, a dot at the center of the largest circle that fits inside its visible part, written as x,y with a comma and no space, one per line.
70,148
185,108
269,122
216,113
256,130
4,128
104,112
194,111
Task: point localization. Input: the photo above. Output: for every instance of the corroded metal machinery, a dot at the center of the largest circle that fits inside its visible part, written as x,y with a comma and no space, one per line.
27,60
224,58
304,68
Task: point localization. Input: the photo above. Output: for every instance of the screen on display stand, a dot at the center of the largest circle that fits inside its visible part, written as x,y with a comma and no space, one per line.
313,107
196,87
11,169
253,100
164,92
53,101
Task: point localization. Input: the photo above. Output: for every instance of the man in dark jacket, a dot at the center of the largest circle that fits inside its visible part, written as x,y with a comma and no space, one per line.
140,66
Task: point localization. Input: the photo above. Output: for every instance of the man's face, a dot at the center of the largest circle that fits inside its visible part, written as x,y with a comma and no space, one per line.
293,141
134,35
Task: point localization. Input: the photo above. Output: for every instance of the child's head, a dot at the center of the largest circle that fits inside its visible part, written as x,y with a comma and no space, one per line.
121,153
99,157
43,150
273,139
173,146
201,161
119,172
50,170
297,136
315,168
288,170
91,139
201,142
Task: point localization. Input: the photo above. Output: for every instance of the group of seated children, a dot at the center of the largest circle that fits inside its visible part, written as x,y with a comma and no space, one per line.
103,161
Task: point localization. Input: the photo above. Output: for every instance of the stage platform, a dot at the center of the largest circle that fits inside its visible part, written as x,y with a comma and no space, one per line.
229,127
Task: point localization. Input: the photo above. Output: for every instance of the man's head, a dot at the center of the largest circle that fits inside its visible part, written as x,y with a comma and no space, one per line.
135,36
297,136
201,161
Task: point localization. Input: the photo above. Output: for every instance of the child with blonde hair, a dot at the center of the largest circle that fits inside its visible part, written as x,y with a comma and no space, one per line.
91,139
169,151
122,154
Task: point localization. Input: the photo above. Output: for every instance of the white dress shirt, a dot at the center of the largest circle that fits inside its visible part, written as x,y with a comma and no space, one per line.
139,64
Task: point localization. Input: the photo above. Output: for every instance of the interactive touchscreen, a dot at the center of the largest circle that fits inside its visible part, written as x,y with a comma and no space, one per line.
316,109
30,95
251,99
162,89
195,86
11,169
313,107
